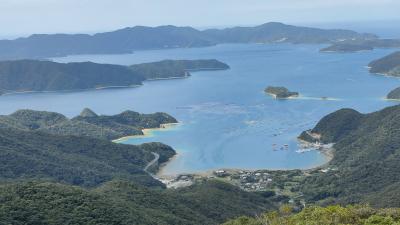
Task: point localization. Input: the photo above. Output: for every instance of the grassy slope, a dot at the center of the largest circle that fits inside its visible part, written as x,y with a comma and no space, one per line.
332,215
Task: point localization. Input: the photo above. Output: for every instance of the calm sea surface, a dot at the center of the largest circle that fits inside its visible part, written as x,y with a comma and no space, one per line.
226,121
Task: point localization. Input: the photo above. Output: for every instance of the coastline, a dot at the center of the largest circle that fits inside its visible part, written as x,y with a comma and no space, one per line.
302,97
188,75
260,179
147,132
275,96
161,167
326,151
69,90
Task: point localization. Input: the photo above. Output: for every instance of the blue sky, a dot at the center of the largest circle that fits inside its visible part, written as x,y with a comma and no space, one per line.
18,17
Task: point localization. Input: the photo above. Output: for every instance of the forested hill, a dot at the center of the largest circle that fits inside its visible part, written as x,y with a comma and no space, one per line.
130,39
125,203
366,163
87,124
35,75
29,155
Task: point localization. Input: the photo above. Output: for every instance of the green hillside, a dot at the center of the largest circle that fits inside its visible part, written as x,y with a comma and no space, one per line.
120,202
366,163
87,124
74,160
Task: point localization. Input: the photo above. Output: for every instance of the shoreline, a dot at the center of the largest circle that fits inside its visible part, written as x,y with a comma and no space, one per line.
302,97
275,96
147,132
327,152
69,91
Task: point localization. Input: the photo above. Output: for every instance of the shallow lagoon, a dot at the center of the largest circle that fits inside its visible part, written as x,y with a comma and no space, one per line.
226,121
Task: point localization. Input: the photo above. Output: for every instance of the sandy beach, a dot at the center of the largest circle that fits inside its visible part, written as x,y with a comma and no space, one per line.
148,132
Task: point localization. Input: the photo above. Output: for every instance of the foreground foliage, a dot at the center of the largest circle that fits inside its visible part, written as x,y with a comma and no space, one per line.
120,202
331,215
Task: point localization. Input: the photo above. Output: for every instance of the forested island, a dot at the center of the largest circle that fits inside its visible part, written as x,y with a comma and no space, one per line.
36,75
361,45
129,39
388,65
175,68
280,92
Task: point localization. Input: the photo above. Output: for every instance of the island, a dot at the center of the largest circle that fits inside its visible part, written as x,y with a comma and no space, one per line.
40,75
349,46
388,65
280,92
169,69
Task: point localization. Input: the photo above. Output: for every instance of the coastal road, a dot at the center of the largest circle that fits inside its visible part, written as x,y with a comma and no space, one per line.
155,160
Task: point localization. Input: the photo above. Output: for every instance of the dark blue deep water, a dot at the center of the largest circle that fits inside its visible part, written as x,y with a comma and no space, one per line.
226,119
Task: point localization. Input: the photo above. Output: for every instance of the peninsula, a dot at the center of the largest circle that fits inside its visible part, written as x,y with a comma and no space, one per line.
394,94
280,92
388,65
35,75
87,124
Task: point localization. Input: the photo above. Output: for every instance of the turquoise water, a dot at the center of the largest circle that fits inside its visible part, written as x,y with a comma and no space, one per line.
226,121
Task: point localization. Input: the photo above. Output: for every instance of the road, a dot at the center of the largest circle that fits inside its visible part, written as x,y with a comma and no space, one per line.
155,160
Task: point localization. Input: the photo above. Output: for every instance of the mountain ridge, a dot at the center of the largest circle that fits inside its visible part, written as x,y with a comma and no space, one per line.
129,39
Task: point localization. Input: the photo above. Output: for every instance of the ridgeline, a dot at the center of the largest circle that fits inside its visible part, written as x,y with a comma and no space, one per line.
127,40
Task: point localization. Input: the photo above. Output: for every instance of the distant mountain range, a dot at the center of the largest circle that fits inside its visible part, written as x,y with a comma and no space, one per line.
35,75
130,39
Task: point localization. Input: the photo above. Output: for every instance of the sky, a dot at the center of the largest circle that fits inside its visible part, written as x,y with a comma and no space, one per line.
23,17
